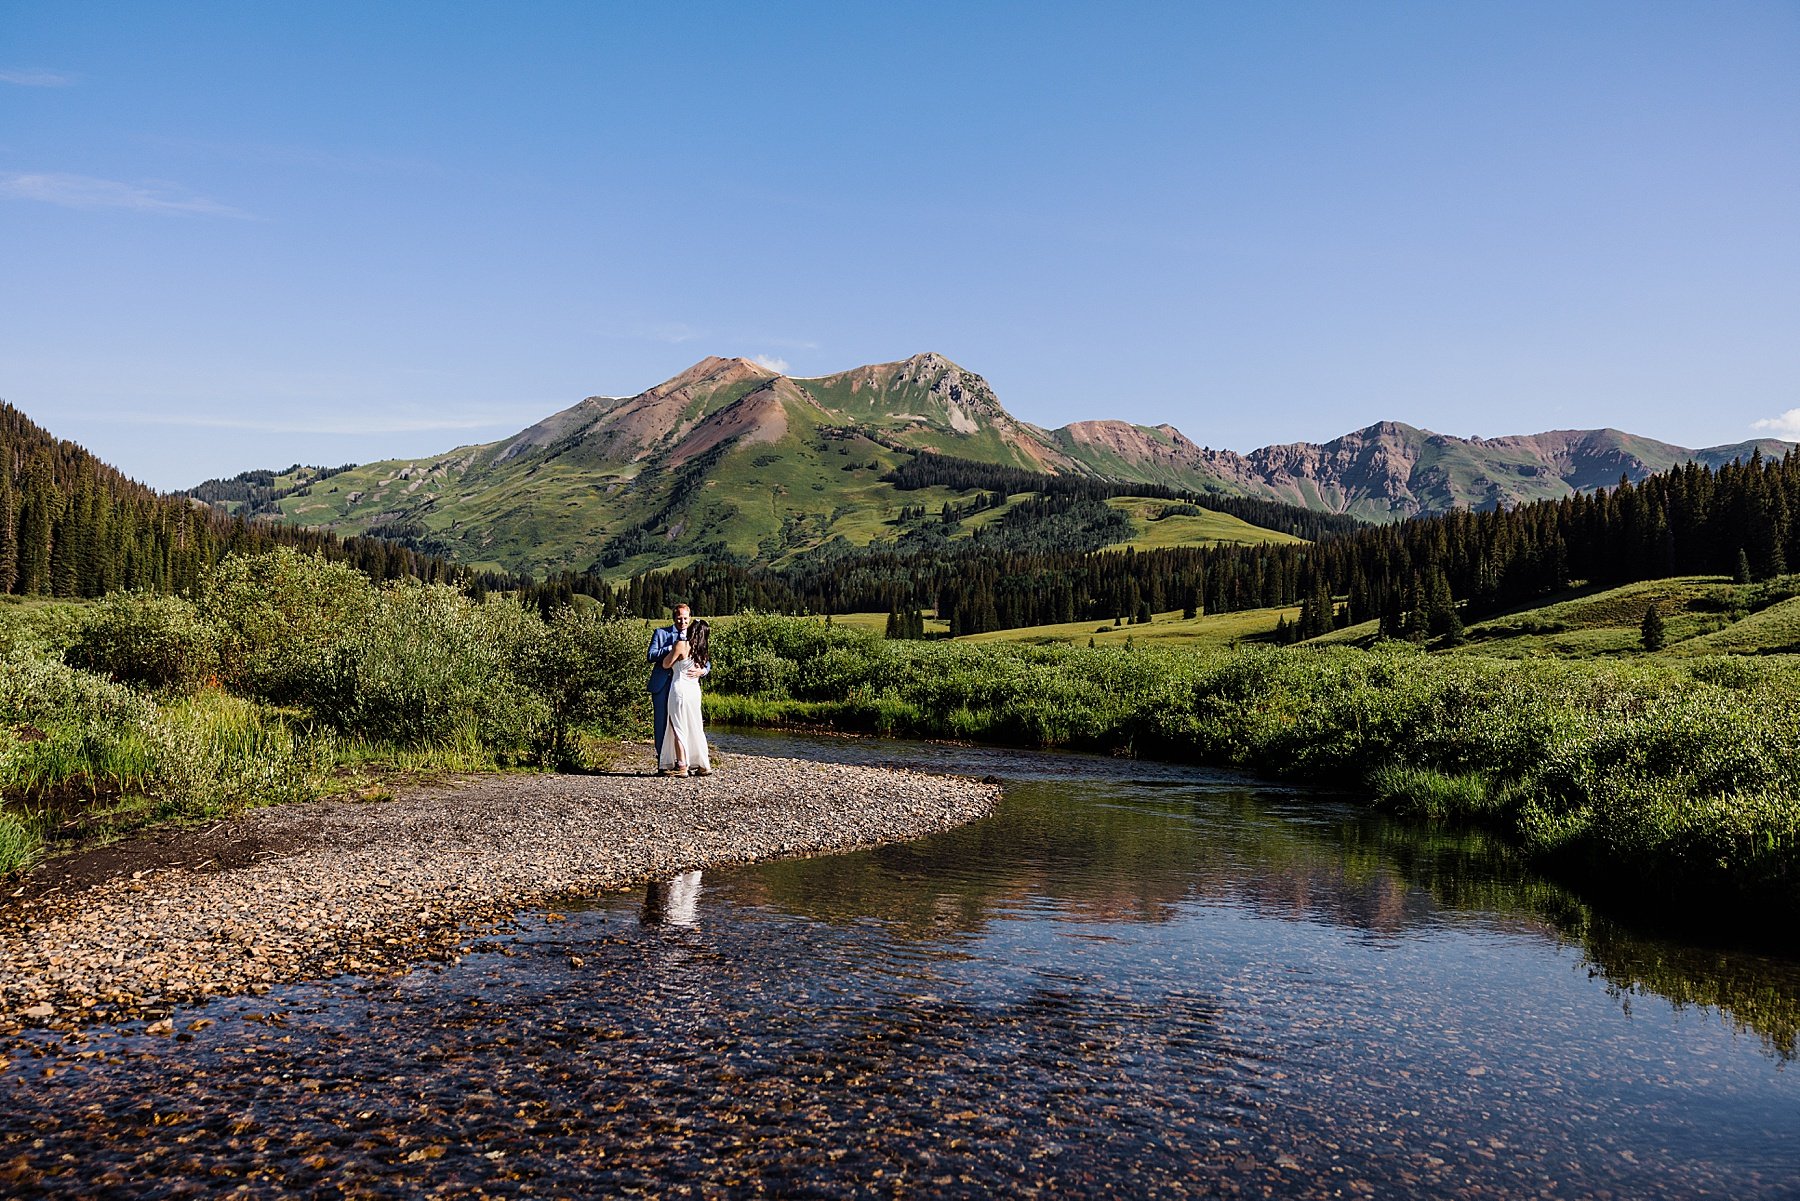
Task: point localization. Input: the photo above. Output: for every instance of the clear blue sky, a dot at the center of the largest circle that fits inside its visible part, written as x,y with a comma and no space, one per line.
240,235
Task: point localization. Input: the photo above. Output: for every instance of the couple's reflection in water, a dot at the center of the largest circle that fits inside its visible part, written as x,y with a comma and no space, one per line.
672,902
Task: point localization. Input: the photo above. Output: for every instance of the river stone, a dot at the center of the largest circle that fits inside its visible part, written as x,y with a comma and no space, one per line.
373,887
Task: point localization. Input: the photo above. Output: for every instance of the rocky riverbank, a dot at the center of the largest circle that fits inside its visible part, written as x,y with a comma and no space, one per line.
345,887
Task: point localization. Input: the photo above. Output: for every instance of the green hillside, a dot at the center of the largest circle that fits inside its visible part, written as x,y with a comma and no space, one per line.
1702,615
725,461
1159,523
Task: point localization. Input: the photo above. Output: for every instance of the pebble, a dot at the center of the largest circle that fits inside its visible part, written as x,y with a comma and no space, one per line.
393,883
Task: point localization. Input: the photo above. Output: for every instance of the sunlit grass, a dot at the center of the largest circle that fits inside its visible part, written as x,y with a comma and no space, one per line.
1168,628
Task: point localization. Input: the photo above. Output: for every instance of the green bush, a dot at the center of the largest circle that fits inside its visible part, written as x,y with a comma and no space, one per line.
70,738
589,671
279,618
146,638
426,666
45,629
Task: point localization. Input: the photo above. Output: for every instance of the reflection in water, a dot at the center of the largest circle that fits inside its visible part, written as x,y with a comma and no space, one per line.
1129,980
673,902
1279,850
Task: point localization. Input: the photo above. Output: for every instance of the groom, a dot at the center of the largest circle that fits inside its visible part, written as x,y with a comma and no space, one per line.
661,643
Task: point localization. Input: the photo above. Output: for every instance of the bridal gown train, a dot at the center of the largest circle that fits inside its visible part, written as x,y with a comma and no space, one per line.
684,740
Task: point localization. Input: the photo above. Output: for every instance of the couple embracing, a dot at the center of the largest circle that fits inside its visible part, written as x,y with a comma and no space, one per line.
678,659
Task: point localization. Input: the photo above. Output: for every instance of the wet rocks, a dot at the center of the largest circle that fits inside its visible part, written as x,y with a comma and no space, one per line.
356,888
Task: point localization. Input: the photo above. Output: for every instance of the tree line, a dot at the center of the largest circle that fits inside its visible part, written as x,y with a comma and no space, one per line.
71,526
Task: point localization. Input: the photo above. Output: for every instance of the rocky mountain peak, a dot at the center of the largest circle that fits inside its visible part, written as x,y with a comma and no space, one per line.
713,371
950,384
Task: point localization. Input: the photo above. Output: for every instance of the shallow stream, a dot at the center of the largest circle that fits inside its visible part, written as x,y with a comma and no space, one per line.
1133,978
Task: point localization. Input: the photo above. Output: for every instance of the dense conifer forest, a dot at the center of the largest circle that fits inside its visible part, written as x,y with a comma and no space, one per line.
1421,578
71,526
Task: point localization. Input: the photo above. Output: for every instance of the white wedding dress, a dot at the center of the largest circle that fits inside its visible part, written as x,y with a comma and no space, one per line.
684,739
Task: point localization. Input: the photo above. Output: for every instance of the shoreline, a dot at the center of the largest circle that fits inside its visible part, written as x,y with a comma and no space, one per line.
328,888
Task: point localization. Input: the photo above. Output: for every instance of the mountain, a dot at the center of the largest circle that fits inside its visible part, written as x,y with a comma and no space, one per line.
730,458
1390,470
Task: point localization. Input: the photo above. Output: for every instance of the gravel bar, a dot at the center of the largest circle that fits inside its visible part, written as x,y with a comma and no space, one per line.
371,888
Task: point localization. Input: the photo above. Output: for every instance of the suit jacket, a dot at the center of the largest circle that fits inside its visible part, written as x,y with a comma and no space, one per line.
662,641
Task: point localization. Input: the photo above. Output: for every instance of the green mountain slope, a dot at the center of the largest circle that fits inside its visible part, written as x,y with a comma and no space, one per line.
730,458
726,459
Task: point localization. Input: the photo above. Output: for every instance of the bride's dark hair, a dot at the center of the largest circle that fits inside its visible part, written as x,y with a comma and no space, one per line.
698,637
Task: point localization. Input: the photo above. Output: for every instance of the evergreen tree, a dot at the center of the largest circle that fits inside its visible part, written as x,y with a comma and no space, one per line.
1652,629
9,542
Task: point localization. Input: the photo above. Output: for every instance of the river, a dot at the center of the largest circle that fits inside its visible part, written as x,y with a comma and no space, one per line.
1132,979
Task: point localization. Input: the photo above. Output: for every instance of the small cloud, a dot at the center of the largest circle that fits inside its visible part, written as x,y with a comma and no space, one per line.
35,79
778,366
84,192
1787,425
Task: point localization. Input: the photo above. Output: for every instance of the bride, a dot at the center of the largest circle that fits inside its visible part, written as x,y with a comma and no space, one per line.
684,739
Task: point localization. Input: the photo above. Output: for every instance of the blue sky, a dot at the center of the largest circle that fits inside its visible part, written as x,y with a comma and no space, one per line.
241,235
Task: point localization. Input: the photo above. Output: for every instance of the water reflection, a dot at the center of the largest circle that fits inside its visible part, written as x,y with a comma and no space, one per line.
1126,981
673,902
1159,835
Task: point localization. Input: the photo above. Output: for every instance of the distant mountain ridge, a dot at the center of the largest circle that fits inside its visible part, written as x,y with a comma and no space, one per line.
1390,470
731,457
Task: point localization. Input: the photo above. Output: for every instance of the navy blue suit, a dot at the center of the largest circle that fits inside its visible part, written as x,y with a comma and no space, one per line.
662,641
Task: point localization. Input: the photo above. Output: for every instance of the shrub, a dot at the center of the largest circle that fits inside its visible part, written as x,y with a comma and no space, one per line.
279,618
145,638
589,671
36,690
429,667
756,671
39,628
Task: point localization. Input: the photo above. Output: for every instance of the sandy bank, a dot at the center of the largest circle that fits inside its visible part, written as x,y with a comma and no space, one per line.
345,887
